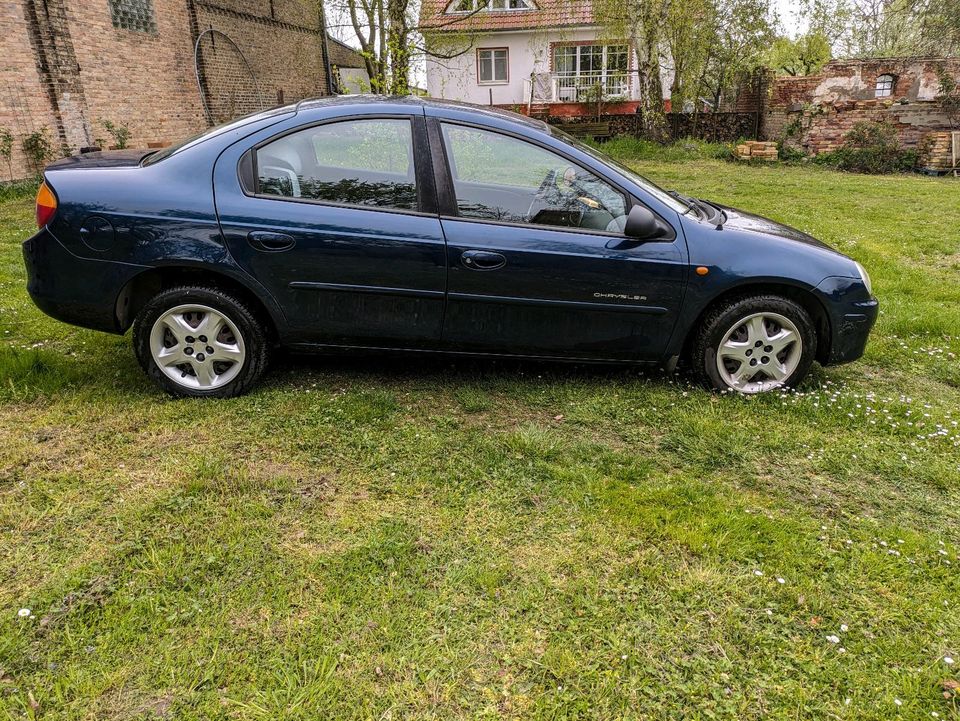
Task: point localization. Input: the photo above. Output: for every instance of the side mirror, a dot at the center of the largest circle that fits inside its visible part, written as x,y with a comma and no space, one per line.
641,223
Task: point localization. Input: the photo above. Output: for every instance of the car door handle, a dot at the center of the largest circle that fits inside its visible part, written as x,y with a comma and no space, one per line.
270,242
482,260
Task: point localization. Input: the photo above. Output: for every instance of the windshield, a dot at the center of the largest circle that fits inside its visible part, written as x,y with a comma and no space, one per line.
159,155
678,204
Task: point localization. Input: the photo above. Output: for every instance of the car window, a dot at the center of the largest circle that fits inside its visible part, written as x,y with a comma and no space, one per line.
497,177
355,162
672,201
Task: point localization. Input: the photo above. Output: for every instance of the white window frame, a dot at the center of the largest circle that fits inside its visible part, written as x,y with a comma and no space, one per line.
885,85
493,66
605,75
462,7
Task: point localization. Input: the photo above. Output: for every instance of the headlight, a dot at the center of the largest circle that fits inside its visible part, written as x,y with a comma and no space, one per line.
865,277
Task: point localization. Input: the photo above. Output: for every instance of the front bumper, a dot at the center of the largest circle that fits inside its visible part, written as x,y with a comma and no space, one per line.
75,290
853,312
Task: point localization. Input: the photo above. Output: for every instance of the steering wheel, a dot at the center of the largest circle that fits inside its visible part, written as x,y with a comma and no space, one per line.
572,193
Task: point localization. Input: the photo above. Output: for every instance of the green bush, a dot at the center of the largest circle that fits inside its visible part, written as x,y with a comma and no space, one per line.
19,189
790,153
872,148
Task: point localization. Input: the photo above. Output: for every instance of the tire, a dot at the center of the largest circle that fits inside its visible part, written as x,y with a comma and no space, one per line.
172,327
768,342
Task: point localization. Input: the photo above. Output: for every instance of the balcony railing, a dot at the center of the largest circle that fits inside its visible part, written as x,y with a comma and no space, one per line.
583,87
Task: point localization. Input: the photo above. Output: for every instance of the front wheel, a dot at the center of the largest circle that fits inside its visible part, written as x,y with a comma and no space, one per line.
197,341
755,344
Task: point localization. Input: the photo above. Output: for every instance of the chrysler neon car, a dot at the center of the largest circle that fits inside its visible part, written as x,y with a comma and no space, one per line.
425,226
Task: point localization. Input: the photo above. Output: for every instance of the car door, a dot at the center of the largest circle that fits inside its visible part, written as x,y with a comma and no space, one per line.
337,219
537,261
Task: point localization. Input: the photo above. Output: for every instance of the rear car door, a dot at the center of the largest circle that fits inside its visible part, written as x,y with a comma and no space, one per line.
337,219
538,263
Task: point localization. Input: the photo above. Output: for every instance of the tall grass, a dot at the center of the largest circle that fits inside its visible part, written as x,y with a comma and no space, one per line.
630,148
16,189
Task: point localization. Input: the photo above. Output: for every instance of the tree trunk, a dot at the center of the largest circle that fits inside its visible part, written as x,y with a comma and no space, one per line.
398,50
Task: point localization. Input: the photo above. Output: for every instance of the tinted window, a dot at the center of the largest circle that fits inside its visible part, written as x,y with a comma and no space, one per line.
497,177
356,162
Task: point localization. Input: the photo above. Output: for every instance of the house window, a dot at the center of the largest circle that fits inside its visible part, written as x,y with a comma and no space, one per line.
492,66
579,68
884,86
469,6
133,15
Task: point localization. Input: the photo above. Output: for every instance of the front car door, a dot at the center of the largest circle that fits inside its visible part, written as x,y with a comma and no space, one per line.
538,264
336,217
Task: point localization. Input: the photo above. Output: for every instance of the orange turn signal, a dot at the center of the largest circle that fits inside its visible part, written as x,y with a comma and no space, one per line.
702,270
46,205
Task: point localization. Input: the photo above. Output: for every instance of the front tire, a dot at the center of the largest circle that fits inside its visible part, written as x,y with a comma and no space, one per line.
755,344
196,341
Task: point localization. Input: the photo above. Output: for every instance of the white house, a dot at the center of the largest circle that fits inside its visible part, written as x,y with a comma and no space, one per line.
539,56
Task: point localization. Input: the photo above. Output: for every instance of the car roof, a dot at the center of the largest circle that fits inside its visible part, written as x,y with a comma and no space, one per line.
368,99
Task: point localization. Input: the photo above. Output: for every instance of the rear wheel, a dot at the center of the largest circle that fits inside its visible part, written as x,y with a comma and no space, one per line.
197,341
755,344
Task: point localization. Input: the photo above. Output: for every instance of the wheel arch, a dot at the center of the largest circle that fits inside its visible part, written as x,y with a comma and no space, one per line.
805,297
144,286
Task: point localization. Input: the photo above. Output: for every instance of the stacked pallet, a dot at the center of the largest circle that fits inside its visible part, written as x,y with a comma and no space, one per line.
940,152
759,149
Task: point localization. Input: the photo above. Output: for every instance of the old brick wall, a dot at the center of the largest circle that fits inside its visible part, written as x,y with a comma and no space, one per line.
67,67
280,39
816,112
143,80
24,96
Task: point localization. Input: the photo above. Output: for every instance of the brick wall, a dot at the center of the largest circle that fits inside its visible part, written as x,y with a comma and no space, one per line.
64,66
280,39
142,80
815,112
24,95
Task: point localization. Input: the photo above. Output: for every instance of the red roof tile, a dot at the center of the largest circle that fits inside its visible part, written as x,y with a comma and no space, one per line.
548,13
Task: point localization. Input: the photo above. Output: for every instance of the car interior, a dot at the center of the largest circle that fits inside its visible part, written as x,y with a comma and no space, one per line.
288,167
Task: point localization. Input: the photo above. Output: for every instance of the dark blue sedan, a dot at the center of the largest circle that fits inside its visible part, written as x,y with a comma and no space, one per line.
426,226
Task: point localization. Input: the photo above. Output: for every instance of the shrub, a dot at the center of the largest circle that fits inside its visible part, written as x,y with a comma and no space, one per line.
18,189
38,148
870,148
6,149
120,134
790,153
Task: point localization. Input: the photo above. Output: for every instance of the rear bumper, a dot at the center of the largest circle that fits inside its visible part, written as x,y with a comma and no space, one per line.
75,290
853,312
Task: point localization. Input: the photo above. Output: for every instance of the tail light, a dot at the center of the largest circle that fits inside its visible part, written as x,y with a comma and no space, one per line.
46,205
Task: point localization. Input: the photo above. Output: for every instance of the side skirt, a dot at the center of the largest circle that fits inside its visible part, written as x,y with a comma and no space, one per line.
330,349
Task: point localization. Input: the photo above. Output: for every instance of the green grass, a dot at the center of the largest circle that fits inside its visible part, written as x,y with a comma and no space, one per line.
381,538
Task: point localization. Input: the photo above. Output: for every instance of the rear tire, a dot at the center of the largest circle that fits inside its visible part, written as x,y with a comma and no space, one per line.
755,344
197,341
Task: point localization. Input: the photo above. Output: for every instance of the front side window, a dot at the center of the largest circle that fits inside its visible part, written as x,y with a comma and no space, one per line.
884,86
492,65
500,178
353,162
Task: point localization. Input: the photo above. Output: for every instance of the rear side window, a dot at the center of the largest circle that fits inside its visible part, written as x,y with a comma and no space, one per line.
351,162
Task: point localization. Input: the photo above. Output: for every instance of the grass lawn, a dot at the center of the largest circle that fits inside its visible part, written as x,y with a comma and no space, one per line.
395,539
